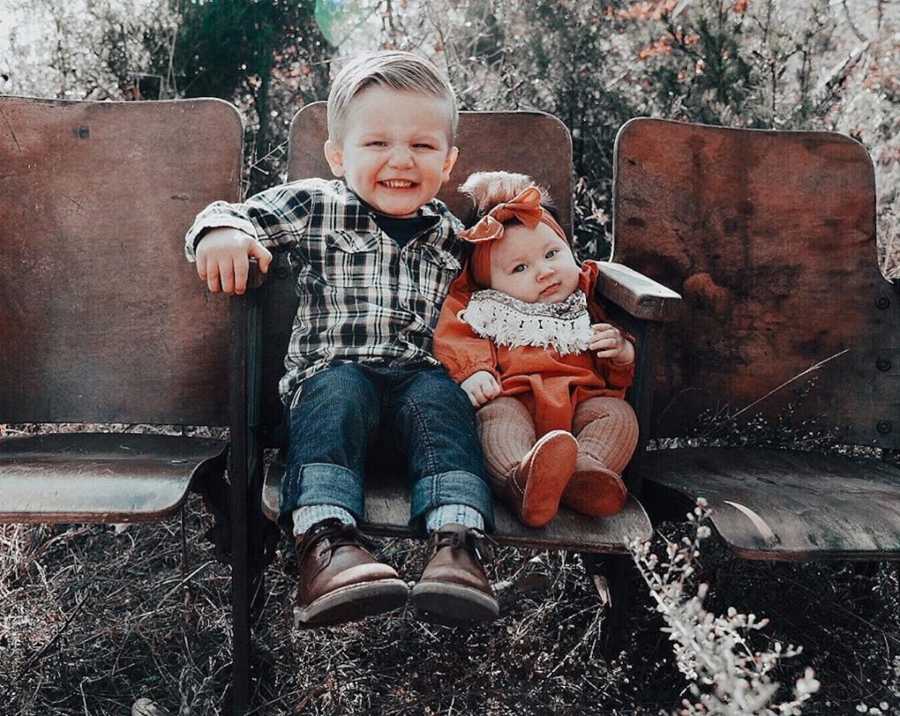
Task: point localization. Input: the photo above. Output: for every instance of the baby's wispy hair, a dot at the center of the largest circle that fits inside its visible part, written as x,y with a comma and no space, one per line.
487,189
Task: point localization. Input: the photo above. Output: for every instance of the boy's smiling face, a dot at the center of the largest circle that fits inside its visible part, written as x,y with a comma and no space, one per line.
395,152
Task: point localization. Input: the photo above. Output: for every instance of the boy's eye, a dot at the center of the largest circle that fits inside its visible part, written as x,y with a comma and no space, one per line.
422,145
519,268
376,143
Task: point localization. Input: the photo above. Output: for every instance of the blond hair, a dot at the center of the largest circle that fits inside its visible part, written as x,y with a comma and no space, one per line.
401,71
487,189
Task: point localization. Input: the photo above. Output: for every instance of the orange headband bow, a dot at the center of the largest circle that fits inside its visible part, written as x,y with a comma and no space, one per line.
526,208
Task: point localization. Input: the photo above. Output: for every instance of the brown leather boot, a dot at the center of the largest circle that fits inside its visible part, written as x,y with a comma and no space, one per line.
534,489
340,581
594,489
454,589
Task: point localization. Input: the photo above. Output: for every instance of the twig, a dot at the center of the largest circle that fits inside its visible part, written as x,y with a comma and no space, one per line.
578,644
853,27
46,647
756,402
174,589
843,610
87,711
358,25
310,695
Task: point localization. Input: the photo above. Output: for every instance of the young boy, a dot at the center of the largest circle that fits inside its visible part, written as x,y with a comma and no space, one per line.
376,254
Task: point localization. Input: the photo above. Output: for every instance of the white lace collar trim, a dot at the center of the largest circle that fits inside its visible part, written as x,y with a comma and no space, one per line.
564,326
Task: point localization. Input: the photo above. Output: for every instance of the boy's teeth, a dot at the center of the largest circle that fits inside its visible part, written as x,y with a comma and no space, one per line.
397,183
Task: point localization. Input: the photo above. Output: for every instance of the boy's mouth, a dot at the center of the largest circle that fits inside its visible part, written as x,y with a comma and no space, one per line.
397,183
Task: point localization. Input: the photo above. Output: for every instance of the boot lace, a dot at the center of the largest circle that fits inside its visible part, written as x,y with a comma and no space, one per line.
474,540
338,534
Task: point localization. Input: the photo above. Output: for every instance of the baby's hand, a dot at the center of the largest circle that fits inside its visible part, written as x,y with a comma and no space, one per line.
481,387
222,259
609,342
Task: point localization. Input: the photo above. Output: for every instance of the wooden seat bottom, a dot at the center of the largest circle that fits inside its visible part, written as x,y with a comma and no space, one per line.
100,477
387,513
782,504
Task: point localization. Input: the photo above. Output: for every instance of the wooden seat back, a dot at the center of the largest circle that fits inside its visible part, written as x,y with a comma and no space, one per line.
770,238
528,142
104,320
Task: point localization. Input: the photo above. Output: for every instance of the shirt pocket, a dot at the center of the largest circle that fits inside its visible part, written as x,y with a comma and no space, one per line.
435,271
351,260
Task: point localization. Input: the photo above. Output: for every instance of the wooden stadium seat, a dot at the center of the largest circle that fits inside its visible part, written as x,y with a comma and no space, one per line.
104,322
770,238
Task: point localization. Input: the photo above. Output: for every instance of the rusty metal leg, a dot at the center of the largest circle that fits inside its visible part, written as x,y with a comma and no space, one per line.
253,545
240,589
263,536
185,567
610,575
620,587
241,448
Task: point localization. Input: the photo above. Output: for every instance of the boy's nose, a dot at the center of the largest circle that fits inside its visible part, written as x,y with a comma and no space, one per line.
400,157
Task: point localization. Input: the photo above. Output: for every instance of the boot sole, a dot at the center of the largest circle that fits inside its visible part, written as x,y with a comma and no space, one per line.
554,460
353,602
601,494
452,604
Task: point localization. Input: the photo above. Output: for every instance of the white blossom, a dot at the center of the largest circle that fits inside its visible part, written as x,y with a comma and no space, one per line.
725,676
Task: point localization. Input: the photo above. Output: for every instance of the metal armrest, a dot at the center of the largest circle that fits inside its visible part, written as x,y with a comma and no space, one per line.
640,296
255,277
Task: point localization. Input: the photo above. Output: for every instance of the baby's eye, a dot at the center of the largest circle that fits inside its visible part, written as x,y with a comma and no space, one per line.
520,268
551,253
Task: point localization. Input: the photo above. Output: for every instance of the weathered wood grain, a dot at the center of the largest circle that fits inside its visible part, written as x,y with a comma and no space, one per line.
99,477
786,505
640,296
387,513
103,319
770,239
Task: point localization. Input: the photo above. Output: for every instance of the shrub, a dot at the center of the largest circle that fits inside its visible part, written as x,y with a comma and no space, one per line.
726,673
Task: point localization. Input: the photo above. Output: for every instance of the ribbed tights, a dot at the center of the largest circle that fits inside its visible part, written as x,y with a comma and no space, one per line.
606,429
507,433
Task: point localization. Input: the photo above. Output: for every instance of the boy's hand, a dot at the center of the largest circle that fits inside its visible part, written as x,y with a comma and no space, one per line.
223,259
609,342
481,387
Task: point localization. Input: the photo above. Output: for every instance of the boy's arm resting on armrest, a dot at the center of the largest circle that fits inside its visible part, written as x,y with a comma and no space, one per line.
218,215
223,259
640,296
225,237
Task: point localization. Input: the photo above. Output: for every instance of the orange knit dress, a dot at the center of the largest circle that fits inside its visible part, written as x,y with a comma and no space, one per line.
549,384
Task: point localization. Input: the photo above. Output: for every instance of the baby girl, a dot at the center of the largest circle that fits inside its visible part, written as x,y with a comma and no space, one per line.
522,333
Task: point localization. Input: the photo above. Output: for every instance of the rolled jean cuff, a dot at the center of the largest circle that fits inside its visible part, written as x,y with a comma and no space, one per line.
456,487
326,484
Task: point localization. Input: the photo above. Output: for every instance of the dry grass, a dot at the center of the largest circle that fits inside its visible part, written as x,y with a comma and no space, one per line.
93,618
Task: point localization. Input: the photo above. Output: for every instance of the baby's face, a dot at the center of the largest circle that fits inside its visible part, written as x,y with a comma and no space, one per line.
395,152
533,265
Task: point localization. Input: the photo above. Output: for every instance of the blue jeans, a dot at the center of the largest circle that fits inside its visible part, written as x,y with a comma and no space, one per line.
432,421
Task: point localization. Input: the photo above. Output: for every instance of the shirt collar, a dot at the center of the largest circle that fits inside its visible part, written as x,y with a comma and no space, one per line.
358,216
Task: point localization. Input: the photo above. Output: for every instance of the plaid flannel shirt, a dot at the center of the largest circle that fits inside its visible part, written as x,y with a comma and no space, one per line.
362,298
